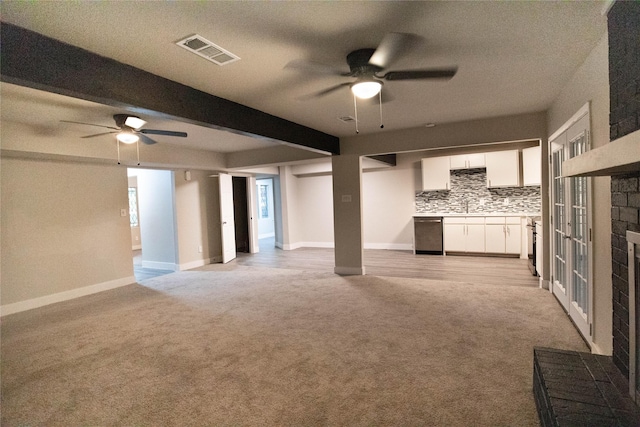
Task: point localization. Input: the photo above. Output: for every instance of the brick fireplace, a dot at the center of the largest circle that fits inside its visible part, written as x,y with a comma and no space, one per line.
624,97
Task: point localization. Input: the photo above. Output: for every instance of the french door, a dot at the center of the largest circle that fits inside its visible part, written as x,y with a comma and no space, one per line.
571,282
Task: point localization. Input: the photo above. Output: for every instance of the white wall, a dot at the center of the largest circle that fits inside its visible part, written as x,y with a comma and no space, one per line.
62,231
315,210
590,83
157,219
197,219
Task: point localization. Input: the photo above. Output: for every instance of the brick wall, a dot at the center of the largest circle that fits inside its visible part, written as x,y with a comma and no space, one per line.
624,97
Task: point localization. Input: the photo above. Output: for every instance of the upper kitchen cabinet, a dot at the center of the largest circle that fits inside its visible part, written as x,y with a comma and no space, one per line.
467,161
531,166
503,168
435,174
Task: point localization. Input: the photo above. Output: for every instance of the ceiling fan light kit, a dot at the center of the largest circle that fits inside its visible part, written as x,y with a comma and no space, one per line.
366,89
127,137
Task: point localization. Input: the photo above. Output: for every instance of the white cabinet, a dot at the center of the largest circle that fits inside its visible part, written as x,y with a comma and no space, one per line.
467,161
435,174
464,234
531,166
503,168
503,235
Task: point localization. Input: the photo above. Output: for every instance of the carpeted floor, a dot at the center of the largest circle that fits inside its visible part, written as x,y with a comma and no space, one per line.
233,345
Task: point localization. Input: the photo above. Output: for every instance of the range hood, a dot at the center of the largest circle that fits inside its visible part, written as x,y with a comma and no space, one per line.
615,158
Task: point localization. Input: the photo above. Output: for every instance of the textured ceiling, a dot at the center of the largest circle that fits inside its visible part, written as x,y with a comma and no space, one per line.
513,57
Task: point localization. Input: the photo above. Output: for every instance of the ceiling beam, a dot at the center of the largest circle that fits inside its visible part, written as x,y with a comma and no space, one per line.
33,60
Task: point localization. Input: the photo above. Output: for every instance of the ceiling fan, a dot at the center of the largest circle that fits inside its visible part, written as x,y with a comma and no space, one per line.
367,65
128,130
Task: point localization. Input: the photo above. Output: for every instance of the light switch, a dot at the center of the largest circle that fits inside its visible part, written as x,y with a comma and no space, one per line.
346,198
123,212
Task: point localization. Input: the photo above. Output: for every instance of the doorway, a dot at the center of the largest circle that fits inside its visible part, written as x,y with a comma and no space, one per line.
152,221
240,213
571,227
266,213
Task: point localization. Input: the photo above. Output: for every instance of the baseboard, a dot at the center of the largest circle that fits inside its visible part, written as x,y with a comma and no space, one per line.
279,245
266,236
136,247
157,265
198,263
390,246
349,271
595,349
544,284
30,304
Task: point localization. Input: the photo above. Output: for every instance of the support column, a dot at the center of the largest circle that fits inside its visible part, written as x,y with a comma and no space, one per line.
347,214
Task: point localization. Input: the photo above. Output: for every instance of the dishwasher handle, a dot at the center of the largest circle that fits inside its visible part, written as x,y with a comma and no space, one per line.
428,219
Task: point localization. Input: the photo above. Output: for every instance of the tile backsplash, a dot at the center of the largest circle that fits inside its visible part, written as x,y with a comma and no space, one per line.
469,190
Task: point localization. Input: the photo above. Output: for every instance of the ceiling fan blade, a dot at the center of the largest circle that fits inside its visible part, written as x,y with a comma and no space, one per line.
445,73
391,47
316,67
323,92
146,140
163,132
98,134
89,124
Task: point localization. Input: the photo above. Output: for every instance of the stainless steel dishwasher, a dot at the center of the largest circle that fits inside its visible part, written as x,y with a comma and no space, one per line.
428,235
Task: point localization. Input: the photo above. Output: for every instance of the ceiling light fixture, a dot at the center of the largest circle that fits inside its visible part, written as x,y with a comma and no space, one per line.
127,137
365,89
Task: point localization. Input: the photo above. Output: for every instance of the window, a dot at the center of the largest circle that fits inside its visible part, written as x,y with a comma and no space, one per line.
133,206
264,206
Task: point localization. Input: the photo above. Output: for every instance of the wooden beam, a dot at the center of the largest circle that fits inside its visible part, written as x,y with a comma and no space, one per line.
389,159
33,60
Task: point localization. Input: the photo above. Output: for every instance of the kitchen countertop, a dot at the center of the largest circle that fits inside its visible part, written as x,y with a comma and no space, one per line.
480,214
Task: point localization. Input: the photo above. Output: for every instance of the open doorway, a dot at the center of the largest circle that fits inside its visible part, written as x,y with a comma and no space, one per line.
152,220
266,214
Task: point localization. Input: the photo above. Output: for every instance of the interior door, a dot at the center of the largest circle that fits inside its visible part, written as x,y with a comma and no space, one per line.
228,232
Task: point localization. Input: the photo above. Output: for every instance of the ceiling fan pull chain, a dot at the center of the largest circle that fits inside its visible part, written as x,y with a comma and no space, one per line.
118,145
355,107
138,150
380,99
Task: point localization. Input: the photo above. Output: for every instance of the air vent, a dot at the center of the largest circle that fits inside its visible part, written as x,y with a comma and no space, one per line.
346,119
204,48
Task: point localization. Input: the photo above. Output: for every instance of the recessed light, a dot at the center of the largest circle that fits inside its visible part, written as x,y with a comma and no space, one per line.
430,125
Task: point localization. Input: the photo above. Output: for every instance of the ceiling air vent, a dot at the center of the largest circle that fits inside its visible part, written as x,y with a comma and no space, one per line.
204,48
346,119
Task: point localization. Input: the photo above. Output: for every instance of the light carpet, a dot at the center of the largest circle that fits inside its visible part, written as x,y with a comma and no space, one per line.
233,345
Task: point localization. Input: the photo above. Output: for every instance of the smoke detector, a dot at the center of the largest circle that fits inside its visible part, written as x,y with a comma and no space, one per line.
208,50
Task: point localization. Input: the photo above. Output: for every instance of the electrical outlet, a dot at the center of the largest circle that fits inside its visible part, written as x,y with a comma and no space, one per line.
506,201
481,202
200,249
123,212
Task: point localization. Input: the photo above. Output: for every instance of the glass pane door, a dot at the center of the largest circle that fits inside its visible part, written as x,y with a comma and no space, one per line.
579,242
559,229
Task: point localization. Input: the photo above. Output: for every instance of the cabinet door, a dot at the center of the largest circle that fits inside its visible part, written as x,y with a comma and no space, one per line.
513,238
475,161
458,162
531,166
454,237
503,168
475,237
495,236
435,173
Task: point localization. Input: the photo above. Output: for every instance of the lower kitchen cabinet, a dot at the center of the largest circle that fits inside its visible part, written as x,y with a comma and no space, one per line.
503,235
464,234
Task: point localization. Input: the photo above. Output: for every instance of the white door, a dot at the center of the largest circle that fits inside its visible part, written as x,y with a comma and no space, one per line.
228,230
571,243
254,246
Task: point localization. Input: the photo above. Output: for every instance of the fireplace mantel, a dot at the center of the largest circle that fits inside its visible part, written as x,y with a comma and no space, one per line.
617,157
